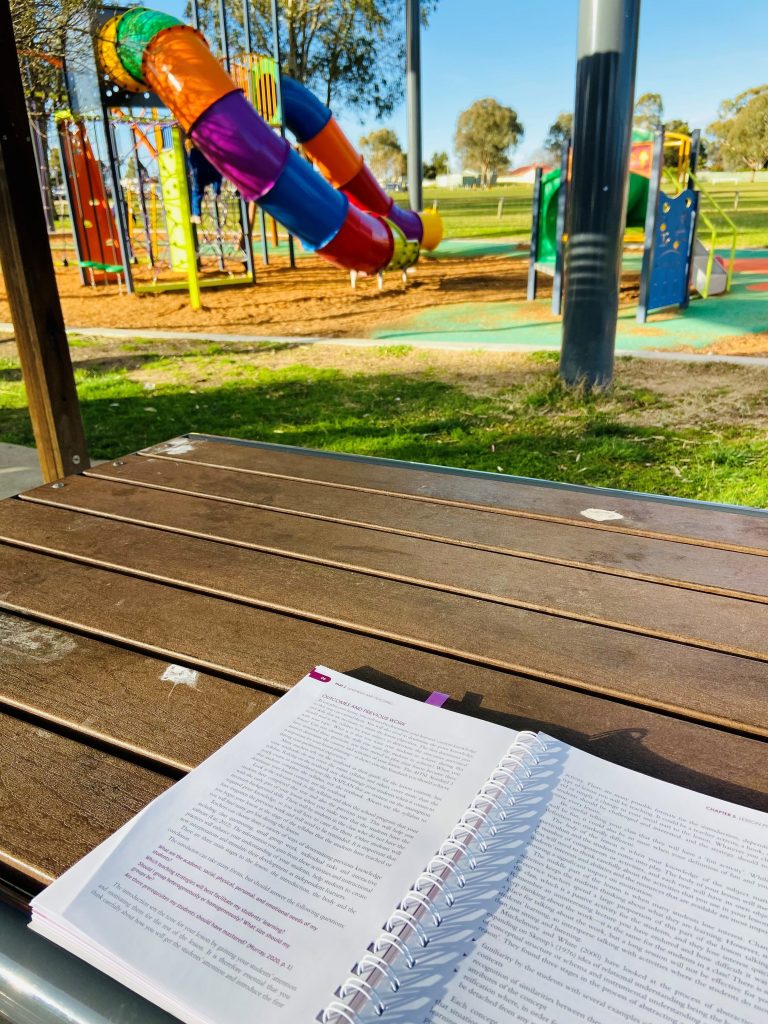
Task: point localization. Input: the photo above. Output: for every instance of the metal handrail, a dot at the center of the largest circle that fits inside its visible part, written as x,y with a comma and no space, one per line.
704,218
728,220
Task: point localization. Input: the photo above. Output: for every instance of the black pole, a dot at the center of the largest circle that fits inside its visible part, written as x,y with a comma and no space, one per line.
602,128
413,86
562,209
279,97
693,159
196,14
534,253
247,34
118,201
224,33
649,232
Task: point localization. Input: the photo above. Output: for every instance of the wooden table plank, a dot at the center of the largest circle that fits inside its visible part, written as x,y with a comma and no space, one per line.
148,706
739,529
720,571
222,635
723,572
59,798
382,604
62,676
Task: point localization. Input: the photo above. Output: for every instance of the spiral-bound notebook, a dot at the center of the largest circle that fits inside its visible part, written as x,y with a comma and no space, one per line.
354,854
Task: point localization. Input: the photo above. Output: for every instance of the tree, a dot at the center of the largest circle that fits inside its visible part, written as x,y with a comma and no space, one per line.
649,112
671,152
350,52
559,133
384,154
436,166
40,27
485,133
741,134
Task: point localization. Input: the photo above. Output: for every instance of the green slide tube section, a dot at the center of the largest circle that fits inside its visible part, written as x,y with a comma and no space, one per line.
637,201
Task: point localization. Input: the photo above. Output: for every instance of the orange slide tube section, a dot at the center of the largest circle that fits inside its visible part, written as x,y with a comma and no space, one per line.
177,65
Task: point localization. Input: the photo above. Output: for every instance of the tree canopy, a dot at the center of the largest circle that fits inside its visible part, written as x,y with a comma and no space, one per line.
383,153
740,135
349,52
558,135
485,133
39,27
649,112
438,164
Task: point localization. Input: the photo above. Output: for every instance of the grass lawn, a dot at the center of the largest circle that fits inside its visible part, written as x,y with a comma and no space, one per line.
692,430
474,213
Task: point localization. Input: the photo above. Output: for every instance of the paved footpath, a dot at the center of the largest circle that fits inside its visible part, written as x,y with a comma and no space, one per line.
19,469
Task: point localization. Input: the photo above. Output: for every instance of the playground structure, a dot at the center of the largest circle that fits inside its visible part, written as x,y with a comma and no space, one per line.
669,215
136,227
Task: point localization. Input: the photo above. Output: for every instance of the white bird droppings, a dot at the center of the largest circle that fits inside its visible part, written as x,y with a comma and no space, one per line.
600,515
179,675
176,446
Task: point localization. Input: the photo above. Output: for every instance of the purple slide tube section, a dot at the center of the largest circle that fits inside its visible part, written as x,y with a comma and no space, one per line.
408,221
240,145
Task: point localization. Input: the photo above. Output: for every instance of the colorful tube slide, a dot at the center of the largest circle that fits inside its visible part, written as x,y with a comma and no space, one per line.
341,213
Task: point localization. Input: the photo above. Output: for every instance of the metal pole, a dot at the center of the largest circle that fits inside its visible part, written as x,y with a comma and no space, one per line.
247,34
413,87
121,219
279,97
245,224
534,254
649,232
602,127
224,33
196,14
248,38
562,208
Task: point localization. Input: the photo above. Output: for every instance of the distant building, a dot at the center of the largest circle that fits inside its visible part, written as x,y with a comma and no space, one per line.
463,179
521,175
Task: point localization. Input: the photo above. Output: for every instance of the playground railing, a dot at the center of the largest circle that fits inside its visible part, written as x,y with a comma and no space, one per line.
713,232
730,230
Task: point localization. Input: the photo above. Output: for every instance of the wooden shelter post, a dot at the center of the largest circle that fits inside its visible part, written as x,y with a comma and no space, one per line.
30,281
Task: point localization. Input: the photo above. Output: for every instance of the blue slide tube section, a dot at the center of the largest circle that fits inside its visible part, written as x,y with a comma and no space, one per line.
304,114
306,204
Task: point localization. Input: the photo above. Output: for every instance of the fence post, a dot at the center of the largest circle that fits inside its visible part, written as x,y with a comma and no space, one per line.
500,209
736,199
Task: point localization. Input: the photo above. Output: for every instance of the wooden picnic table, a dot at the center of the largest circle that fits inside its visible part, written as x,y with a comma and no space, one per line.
152,606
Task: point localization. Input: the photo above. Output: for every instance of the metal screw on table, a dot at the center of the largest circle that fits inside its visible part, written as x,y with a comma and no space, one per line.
76,460
57,486
118,462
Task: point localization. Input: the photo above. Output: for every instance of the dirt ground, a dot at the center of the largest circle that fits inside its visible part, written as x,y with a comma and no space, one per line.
315,300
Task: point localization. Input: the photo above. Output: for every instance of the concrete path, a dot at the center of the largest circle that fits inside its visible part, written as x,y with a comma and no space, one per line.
19,469
401,339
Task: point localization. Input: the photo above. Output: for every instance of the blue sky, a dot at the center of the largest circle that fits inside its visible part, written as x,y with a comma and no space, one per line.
523,53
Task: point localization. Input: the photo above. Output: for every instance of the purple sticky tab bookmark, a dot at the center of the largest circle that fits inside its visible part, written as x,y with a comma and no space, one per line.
320,676
437,699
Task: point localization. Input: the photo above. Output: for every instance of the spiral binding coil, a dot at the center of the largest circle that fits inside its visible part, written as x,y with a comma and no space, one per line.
403,926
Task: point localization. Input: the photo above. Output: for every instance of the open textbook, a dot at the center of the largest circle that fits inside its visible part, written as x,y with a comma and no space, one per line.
353,854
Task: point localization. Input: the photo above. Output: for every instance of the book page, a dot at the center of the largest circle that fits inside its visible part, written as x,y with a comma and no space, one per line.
248,890
634,902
